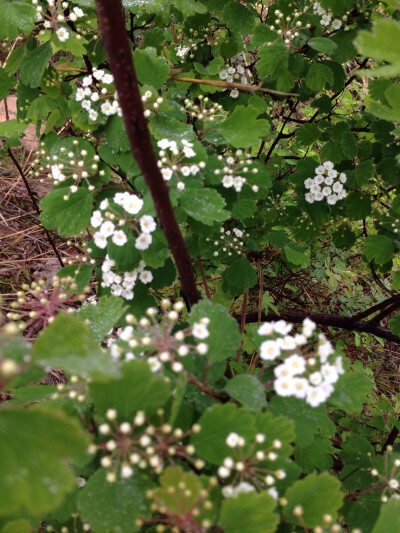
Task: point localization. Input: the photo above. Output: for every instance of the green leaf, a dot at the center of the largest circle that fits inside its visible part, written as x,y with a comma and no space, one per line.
242,128
7,84
224,339
16,17
66,344
138,389
166,127
318,76
273,60
175,500
308,134
302,415
297,254
239,18
81,273
349,145
12,128
204,205
116,136
378,44
388,521
114,507
364,172
277,428
317,455
318,495
396,281
239,276
323,45
34,64
394,324
35,448
70,216
358,205
157,252
216,424
103,316
351,392
249,513
378,248
151,69
344,237
248,391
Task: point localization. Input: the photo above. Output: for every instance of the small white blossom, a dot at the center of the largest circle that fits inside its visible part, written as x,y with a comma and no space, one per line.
62,34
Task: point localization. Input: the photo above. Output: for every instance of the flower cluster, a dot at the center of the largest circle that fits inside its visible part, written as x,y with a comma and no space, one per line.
140,444
55,13
327,18
236,70
390,480
110,221
327,183
308,376
235,170
76,166
75,390
205,111
39,303
96,96
156,339
171,162
229,241
122,284
287,27
249,466
151,102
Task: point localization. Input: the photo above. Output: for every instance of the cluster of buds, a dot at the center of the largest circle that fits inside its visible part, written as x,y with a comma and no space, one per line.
249,467
75,390
236,171
309,376
327,523
140,444
151,101
57,12
389,481
287,27
206,110
188,516
229,242
171,162
210,34
38,304
76,165
97,90
154,338
124,283
117,226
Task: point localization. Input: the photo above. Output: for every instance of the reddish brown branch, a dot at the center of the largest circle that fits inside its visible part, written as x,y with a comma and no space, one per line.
116,43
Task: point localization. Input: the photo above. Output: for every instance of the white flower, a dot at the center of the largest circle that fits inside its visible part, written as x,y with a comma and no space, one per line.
326,191
119,238
296,364
223,74
320,170
155,365
104,204
147,224
342,177
336,24
269,350
284,386
194,169
287,343
132,204
300,387
308,183
234,93
309,197
332,173
315,188
315,396
143,241
315,378
94,97
185,170
96,219
223,472
146,276
339,365
328,181
328,165
107,108
86,104
200,331
325,20
62,34
93,114
282,327
266,329
166,173
127,294
100,240
80,95
342,194
332,199
107,79
232,440
189,152
78,12
107,228
318,179
243,487
318,196
329,373
282,371
337,187
163,144
227,181
87,80
98,74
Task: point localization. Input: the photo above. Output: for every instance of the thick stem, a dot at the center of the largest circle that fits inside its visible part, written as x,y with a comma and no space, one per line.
116,43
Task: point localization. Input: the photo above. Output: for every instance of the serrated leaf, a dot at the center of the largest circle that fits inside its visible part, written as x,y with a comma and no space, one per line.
204,205
239,18
364,172
318,76
351,392
35,448
349,145
16,17
242,128
302,415
7,84
297,254
216,424
318,495
277,428
249,513
138,389
394,324
248,391
34,64
151,69
323,45
379,248
308,134
358,205
66,344
115,507
70,216
239,276
378,44
388,520
157,252
396,281
11,128
273,60
176,501
344,237
224,339
103,316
